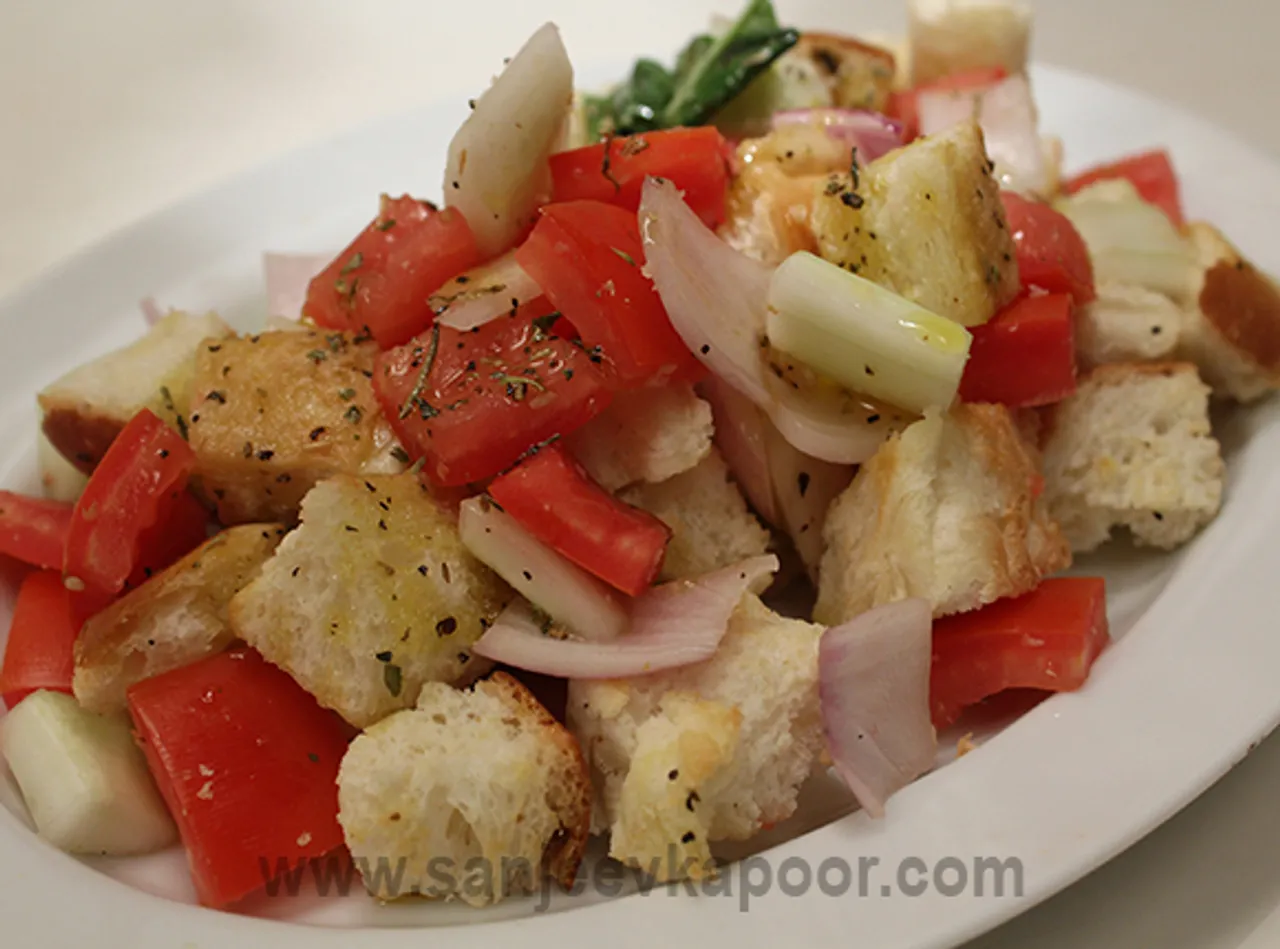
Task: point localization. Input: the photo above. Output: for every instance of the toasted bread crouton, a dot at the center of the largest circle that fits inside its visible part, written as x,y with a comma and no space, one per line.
176,618
710,524
953,36
925,221
713,751
1232,331
86,409
275,413
946,511
859,75
371,598
475,794
1133,448
1126,324
655,436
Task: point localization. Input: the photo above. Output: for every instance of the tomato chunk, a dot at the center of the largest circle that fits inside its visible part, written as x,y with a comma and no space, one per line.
33,530
41,638
587,257
134,514
1051,253
554,498
1025,356
1046,640
1150,172
248,763
694,159
381,282
470,403
905,105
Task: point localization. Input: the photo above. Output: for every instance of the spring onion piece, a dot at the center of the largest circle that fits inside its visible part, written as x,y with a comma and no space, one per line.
497,172
483,294
83,778
568,594
864,336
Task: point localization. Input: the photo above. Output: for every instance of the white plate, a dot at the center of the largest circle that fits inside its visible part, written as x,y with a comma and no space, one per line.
1183,695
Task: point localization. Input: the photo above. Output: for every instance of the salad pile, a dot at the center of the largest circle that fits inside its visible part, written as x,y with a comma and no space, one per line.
480,548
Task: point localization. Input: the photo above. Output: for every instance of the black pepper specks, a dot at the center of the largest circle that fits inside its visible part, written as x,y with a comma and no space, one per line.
673,774
802,482
447,626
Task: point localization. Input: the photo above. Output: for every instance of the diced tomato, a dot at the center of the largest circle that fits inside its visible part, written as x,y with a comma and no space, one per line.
1051,253
488,394
693,159
41,638
1151,173
1024,356
248,763
184,527
587,257
905,105
554,499
383,279
33,530
1046,640
122,521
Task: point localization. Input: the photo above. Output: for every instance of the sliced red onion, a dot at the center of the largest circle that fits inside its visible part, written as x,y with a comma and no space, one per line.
485,293
741,434
673,625
871,133
804,487
873,681
835,438
151,311
287,277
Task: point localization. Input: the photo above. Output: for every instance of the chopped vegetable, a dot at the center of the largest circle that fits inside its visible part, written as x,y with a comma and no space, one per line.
1045,640
1025,356
248,764
872,134
484,293
1051,253
34,530
905,105
42,633
288,278
863,336
1151,173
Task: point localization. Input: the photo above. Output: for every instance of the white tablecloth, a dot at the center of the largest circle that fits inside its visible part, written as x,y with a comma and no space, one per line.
110,110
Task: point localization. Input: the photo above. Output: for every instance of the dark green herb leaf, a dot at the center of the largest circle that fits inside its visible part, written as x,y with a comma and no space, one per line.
624,255
356,260
422,377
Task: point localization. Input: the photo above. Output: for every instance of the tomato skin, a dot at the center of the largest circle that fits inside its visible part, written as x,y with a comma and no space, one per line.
247,762
905,105
42,635
1046,640
1024,356
1052,255
33,530
475,416
383,279
119,525
1151,173
692,158
587,258
554,498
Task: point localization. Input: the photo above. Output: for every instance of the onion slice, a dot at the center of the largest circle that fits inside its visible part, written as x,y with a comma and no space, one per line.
288,276
484,294
568,594
673,625
742,435
873,681
871,133
151,312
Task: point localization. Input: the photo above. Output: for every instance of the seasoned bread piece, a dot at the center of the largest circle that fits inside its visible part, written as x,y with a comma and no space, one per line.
371,598
86,409
275,413
710,524
652,436
484,775
1232,332
1126,324
927,222
858,75
946,511
952,36
713,751
1132,448
176,618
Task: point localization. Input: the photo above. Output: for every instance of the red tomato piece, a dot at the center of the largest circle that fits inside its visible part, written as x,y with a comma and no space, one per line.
41,638
1024,356
488,394
136,490
694,159
185,527
905,106
1051,253
587,257
248,763
1047,640
1151,173
33,530
554,498
381,282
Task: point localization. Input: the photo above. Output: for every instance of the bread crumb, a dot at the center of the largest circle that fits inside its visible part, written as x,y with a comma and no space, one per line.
965,745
